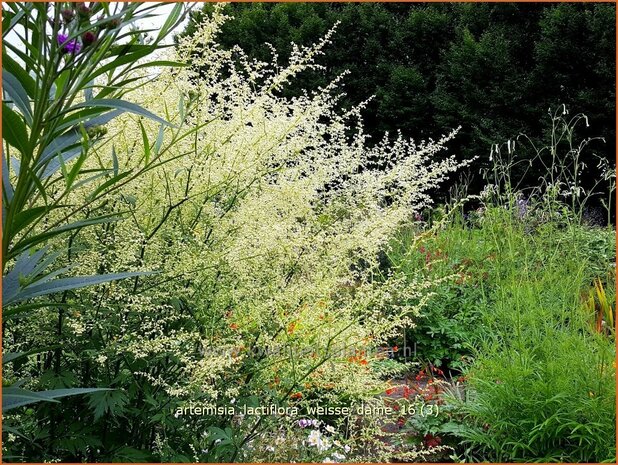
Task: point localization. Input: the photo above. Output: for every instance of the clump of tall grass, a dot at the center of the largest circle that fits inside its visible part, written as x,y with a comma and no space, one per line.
541,384
536,353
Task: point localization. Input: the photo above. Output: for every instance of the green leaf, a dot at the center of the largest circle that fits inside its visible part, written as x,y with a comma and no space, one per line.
123,59
14,130
89,117
110,89
60,161
216,433
15,431
122,105
17,93
31,64
59,84
25,308
131,455
25,217
68,284
11,356
11,20
108,183
60,144
75,170
145,143
114,161
8,357
171,21
159,142
7,188
13,397
108,402
162,63
10,65
36,239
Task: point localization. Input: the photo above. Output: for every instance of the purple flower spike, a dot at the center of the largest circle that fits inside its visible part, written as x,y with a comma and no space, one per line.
68,46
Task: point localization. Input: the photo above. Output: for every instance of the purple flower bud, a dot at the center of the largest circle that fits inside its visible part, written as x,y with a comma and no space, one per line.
83,11
88,38
67,15
303,423
68,46
112,23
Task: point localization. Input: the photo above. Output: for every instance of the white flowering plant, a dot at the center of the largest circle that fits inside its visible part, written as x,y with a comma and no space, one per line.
254,231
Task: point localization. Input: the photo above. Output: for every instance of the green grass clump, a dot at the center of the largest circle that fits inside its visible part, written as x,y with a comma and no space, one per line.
540,380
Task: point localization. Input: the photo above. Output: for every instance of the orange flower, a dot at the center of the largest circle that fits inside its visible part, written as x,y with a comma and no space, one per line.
296,395
234,326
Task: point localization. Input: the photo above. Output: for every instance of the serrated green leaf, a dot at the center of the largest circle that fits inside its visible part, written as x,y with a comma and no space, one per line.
108,402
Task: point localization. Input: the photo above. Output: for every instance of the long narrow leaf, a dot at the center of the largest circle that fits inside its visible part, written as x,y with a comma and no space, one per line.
24,266
7,188
10,65
17,93
68,284
8,357
25,217
122,105
59,145
6,28
39,238
13,397
26,308
145,143
14,130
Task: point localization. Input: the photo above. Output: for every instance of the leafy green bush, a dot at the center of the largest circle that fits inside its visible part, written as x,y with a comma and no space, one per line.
442,334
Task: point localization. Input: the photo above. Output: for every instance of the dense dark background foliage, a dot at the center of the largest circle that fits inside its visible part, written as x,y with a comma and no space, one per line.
494,69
